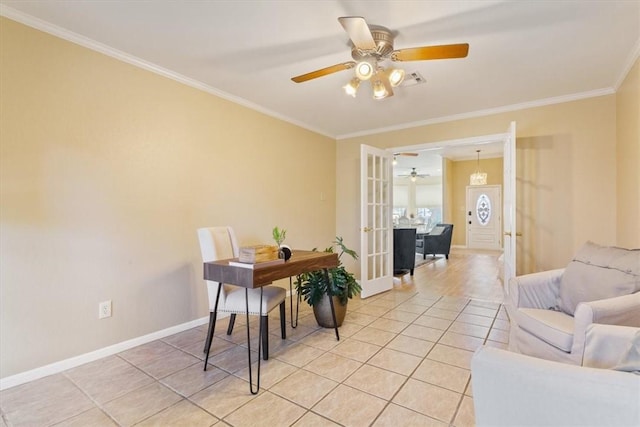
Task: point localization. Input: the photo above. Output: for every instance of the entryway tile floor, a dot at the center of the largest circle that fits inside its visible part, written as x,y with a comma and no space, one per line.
403,359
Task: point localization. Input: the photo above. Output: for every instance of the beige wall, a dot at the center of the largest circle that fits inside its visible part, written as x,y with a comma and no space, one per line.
566,174
107,171
628,159
460,180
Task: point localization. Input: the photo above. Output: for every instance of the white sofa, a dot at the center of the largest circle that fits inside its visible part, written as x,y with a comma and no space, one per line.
511,389
551,310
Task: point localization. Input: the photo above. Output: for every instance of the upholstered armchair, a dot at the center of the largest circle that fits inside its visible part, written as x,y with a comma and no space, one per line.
511,389
551,310
437,241
404,250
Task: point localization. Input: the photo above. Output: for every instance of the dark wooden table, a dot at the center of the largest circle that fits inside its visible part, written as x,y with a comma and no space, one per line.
299,263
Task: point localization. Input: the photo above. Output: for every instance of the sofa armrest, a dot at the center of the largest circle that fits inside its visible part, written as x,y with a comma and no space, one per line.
622,311
512,389
606,345
536,290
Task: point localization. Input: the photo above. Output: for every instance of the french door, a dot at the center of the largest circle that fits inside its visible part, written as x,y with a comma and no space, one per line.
376,242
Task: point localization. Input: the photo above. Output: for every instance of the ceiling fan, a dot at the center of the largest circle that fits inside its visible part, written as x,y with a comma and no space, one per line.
395,155
370,46
414,175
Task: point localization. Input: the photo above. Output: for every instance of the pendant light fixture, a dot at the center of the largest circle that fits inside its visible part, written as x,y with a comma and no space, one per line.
478,178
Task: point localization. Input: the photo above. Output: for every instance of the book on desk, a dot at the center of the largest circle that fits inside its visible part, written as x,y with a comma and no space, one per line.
255,265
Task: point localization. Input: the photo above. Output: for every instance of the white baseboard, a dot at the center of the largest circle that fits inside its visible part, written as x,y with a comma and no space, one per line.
75,361
72,362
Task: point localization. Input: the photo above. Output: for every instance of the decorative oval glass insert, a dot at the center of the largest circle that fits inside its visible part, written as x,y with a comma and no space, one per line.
483,209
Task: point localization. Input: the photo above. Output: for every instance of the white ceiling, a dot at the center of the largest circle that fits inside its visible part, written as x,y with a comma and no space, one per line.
521,52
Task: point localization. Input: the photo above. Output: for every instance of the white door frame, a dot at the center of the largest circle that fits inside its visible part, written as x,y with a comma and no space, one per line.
509,207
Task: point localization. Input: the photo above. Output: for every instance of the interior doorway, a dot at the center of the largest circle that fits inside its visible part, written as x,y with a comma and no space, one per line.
503,146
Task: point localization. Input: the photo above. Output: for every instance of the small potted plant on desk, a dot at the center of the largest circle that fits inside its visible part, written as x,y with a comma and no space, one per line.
279,235
314,289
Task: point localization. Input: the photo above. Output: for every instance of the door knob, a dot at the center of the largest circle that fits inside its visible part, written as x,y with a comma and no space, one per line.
367,229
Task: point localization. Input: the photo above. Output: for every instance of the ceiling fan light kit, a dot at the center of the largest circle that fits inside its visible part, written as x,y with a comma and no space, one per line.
364,70
351,88
372,45
396,76
379,91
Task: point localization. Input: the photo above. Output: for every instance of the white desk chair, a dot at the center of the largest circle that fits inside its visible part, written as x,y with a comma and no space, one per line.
218,243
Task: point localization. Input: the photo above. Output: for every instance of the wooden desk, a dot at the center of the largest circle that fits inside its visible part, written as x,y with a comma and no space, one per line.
299,263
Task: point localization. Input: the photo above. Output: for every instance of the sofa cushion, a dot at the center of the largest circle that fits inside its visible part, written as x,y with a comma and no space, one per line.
599,272
553,327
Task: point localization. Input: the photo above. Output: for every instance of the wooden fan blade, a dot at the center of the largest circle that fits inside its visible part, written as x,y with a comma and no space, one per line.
447,51
406,154
358,31
323,72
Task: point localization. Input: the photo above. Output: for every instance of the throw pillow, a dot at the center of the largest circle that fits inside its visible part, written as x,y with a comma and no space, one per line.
437,230
599,272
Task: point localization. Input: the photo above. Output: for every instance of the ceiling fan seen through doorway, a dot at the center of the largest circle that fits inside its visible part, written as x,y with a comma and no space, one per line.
414,175
371,46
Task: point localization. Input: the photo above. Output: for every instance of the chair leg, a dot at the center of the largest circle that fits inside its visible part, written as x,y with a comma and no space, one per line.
283,326
232,321
265,337
212,326
446,256
411,271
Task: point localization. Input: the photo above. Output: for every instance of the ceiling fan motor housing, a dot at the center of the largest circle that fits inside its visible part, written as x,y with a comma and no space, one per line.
383,38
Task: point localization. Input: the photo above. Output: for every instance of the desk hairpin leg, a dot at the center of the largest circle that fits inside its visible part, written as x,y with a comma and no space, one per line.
294,325
260,332
333,310
212,327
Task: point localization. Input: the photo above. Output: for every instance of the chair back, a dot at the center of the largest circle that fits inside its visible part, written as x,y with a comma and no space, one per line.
438,241
404,249
217,243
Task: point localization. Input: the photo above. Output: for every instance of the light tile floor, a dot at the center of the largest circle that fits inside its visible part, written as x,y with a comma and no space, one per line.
403,360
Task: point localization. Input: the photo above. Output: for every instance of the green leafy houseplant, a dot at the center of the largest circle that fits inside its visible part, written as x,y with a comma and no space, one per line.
279,235
343,285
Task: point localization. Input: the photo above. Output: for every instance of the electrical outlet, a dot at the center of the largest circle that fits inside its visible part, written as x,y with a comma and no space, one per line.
104,309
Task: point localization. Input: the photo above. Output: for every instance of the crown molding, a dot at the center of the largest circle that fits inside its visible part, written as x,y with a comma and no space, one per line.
486,112
88,43
70,36
631,60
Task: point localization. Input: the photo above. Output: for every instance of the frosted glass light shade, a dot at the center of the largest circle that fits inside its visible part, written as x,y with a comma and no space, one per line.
379,91
364,70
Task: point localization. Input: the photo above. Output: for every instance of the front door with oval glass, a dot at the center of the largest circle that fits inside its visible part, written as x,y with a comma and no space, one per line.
483,215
